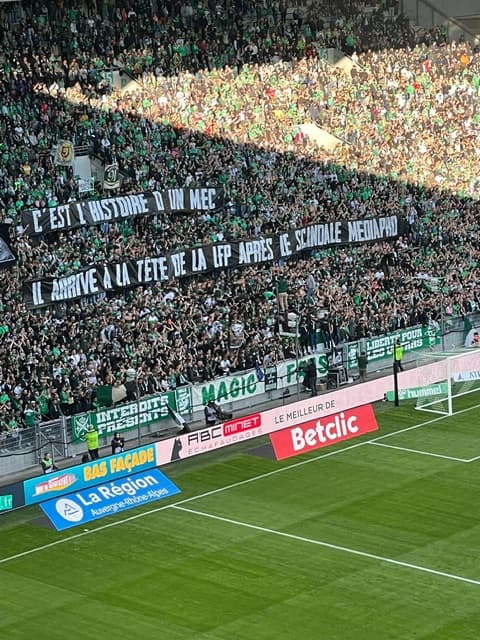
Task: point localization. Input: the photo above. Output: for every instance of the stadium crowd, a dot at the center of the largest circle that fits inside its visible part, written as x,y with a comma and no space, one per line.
223,91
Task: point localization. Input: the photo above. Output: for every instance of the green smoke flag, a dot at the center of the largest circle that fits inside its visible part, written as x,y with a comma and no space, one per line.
104,396
108,395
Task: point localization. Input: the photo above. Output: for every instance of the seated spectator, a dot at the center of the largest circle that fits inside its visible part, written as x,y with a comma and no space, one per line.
211,413
117,443
214,412
47,463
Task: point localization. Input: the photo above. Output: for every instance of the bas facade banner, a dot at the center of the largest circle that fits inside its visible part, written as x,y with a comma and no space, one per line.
106,499
199,260
125,416
89,474
81,214
411,339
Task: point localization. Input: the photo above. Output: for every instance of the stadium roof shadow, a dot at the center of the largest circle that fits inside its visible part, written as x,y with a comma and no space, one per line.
294,178
293,188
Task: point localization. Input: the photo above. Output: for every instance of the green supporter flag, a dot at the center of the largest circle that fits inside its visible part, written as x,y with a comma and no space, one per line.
108,395
432,284
104,395
467,326
125,416
42,403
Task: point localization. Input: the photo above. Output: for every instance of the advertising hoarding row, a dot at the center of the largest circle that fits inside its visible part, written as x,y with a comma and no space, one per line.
312,408
107,499
104,487
189,398
11,497
316,434
307,412
89,474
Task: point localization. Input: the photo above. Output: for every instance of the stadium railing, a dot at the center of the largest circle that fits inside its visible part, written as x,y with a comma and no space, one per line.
22,448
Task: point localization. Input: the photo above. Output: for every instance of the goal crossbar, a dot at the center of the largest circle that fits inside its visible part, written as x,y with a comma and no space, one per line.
457,370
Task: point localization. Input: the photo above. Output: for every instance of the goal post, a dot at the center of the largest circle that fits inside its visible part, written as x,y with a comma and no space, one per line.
444,377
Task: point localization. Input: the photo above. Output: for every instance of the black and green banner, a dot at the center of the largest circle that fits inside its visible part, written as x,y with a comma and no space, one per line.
380,347
103,278
131,415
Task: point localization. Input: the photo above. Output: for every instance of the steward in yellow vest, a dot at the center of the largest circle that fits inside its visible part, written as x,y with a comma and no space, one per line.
91,438
398,356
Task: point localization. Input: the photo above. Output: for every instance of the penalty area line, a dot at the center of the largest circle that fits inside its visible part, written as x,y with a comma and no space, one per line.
422,453
329,545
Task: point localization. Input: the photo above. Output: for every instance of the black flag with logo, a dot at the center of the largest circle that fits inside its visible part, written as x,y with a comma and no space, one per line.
7,254
111,177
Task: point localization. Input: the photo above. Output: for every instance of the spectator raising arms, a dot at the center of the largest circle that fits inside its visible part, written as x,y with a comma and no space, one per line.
222,95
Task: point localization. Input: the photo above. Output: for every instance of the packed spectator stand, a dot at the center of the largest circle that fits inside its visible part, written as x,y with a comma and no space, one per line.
221,92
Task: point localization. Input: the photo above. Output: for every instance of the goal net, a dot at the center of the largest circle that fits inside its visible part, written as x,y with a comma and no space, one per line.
444,377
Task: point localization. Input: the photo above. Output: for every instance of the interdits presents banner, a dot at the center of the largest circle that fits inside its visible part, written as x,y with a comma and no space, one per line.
124,417
103,278
80,214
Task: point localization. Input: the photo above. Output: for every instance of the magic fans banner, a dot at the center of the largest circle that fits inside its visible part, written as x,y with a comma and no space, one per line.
199,260
80,214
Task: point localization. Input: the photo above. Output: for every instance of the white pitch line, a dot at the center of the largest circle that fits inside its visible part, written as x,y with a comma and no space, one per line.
422,424
176,504
423,453
473,459
240,483
335,547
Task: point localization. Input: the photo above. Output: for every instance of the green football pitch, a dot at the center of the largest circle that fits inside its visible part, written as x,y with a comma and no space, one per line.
373,539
